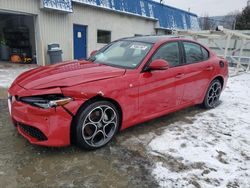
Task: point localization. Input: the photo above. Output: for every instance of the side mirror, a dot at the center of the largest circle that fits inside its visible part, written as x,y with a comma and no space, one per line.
93,53
159,64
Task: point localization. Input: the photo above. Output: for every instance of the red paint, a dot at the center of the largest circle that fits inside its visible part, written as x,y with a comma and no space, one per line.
141,95
159,64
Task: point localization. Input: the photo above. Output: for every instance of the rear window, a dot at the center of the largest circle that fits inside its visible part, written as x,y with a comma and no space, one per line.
195,53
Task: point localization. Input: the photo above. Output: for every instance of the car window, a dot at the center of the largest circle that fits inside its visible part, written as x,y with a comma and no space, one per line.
117,52
195,53
170,53
205,53
124,54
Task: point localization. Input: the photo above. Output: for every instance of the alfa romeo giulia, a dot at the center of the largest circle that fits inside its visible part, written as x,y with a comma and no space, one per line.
129,81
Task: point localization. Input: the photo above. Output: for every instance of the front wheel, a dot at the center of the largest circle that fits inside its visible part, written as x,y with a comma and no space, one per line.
96,125
213,95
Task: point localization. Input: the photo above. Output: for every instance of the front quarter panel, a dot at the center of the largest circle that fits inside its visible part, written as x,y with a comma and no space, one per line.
123,90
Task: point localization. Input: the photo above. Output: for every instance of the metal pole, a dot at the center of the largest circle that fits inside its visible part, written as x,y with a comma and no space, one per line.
227,45
240,56
235,21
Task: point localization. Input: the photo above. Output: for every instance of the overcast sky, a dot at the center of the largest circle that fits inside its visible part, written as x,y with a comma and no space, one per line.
211,7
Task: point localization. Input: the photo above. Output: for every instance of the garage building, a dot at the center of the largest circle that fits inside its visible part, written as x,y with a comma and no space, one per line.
27,27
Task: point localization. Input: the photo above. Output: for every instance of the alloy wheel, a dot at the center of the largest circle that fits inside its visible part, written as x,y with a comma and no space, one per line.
99,126
214,94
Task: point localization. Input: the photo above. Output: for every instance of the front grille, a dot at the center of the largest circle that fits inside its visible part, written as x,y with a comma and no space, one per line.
32,131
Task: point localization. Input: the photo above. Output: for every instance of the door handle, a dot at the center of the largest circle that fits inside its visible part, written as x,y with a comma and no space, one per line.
209,68
179,75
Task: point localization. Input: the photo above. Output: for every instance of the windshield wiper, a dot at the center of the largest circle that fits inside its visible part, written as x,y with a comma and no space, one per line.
92,59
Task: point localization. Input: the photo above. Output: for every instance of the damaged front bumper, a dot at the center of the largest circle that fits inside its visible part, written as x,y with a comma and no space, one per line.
46,127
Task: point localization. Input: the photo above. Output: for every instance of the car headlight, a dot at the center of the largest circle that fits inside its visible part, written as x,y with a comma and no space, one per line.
46,101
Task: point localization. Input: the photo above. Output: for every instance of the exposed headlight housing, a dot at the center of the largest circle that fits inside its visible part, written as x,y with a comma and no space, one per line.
46,101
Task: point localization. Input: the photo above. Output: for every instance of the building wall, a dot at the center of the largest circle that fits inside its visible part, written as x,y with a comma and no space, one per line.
56,27
120,25
25,6
169,17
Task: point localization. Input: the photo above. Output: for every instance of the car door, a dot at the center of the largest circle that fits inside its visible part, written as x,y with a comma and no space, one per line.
198,71
161,90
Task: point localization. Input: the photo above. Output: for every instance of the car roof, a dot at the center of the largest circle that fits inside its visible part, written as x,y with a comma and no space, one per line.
150,38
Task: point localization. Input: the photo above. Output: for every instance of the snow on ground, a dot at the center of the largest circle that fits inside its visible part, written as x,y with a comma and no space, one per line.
9,71
213,150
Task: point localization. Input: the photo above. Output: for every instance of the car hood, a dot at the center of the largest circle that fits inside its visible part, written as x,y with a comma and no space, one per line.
66,74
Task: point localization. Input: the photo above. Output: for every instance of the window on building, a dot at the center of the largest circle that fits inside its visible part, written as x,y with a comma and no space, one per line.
103,36
195,53
170,53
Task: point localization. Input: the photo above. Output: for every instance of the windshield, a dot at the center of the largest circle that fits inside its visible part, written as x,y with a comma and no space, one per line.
125,54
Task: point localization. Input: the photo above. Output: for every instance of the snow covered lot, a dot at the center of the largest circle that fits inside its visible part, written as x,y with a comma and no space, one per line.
9,71
190,148
213,149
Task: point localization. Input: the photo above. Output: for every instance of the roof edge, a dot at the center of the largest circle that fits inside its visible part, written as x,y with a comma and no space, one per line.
117,11
172,7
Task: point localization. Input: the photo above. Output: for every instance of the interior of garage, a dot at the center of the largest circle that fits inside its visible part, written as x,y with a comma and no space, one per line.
17,38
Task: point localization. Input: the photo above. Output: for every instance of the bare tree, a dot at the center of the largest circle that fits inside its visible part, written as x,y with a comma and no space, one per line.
229,21
207,23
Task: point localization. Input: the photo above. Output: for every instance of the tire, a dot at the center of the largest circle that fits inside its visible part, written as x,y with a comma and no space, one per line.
213,94
96,125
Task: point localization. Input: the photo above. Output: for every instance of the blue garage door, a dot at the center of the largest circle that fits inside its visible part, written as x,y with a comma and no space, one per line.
80,41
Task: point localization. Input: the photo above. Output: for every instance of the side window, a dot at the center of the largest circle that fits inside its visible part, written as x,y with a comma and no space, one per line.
205,54
170,53
195,53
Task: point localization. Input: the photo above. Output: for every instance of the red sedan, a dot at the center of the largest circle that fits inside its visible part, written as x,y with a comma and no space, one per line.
129,81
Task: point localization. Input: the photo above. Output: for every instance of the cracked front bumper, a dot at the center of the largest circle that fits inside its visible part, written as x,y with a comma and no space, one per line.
47,127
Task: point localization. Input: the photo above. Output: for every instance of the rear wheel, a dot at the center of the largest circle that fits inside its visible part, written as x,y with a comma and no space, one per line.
213,95
96,125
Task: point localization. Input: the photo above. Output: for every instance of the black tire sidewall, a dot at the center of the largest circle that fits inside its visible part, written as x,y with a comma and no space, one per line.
81,117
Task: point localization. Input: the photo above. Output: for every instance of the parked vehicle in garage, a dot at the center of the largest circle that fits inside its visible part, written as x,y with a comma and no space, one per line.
127,82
